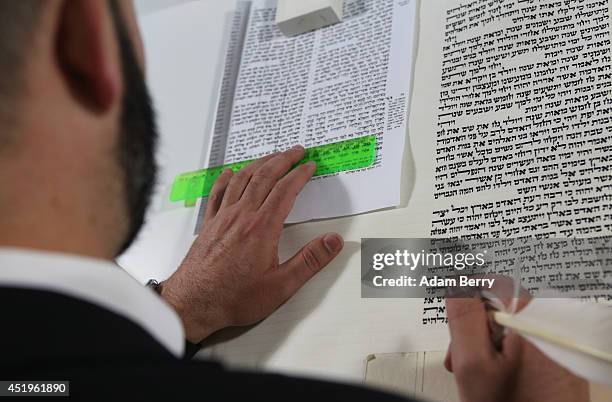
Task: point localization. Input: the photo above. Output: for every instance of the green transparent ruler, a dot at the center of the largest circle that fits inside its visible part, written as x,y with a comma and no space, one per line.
332,158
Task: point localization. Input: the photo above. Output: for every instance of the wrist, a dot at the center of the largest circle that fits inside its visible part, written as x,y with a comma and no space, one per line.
198,323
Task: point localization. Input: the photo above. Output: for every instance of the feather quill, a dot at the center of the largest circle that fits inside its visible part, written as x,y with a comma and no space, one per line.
575,334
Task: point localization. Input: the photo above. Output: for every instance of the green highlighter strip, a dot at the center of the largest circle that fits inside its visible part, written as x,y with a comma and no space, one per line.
333,158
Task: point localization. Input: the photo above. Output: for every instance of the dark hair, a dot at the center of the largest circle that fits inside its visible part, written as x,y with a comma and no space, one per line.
18,20
138,135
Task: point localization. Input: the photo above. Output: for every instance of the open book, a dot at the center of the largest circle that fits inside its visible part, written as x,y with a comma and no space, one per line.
509,134
335,85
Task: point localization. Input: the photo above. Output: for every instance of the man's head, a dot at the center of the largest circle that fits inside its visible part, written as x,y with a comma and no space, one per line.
77,131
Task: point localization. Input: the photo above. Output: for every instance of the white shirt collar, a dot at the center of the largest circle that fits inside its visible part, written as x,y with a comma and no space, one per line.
98,282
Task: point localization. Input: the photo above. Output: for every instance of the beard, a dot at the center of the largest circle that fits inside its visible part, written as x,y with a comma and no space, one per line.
138,135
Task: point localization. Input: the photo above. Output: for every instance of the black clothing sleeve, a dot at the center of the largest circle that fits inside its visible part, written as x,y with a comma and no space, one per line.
191,349
106,357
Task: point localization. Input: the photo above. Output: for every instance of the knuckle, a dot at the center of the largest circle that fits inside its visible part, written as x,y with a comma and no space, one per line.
254,185
215,197
284,162
276,199
311,259
261,179
228,219
290,287
253,224
285,290
463,309
284,188
264,173
242,175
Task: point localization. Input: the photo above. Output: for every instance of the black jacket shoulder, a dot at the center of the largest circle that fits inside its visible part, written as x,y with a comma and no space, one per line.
107,357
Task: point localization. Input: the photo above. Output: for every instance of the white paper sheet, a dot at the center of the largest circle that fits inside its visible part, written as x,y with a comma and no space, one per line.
338,83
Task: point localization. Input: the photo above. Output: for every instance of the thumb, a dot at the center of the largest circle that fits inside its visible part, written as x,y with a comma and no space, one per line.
313,257
469,329
448,361
512,347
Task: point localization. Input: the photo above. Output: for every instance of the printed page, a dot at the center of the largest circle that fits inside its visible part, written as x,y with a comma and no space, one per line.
339,83
520,134
524,133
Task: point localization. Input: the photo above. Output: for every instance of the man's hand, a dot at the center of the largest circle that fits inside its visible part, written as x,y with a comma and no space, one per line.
515,372
232,276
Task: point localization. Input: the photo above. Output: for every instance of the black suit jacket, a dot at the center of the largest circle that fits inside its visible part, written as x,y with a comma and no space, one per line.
106,357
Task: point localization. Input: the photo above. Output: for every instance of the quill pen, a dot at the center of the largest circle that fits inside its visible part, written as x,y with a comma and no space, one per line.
575,334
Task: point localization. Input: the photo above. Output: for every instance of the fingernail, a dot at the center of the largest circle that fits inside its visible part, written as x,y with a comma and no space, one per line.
312,165
297,148
333,242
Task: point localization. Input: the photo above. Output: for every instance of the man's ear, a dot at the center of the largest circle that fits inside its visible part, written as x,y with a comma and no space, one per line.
88,53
